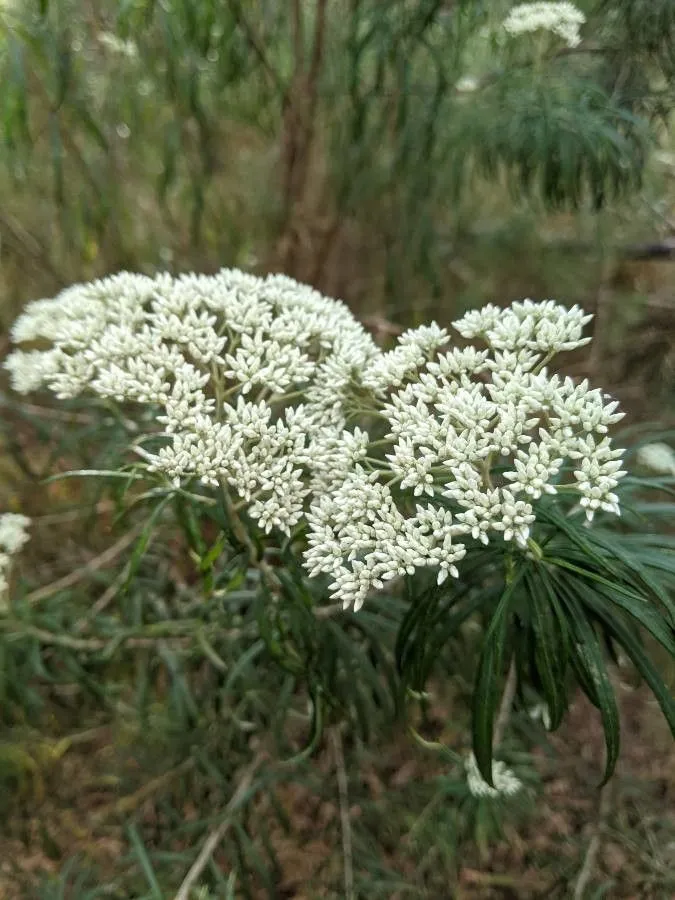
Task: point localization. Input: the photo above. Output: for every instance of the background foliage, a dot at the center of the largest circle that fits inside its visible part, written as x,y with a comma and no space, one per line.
404,157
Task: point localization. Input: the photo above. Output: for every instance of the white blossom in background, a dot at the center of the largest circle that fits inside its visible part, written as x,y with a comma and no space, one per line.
467,84
13,536
658,457
506,783
561,19
13,532
117,45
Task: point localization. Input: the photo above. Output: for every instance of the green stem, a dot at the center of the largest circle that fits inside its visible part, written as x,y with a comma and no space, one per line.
487,479
535,549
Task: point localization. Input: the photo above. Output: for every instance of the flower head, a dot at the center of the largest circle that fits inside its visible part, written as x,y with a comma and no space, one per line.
220,359
252,384
506,783
658,457
479,434
561,19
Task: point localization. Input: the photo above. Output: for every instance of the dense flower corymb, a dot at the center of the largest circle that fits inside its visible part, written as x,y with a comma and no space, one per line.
223,359
562,19
393,460
479,435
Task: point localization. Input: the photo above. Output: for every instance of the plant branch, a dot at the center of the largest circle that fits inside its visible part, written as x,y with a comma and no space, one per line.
257,45
104,600
345,822
216,836
15,629
298,33
98,562
593,848
133,801
505,706
183,633
317,48
72,515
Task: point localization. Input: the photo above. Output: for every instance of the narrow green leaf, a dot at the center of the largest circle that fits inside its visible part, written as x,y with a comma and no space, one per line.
354,658
213,554
639,609
487,691
579,537
316,732
587,658
245,660
447,623
142,855
549,650
639,564
93,473
142,543
631,644
418,609
634,604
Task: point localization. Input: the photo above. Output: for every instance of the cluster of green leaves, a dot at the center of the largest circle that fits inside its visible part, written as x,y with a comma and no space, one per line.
577,598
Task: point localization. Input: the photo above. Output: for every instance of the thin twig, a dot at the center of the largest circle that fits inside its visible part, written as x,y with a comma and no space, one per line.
317,48
45,412
29,244
593,848
298,34
104,600
133,801
257,45
603,317
219,833
345,822
72,515
505,706
98,562
491,879
327,612
20,629
181,633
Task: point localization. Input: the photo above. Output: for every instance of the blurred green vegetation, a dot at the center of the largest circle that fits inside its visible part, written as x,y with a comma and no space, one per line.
401,155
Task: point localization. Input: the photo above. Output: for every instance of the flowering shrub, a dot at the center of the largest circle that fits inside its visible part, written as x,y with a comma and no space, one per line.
268,407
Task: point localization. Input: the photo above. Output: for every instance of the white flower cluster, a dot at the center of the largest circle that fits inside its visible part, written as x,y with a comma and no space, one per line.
222,359
360,537
13,535
658,457
506,783
252,382
117,45
561,19
480,433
